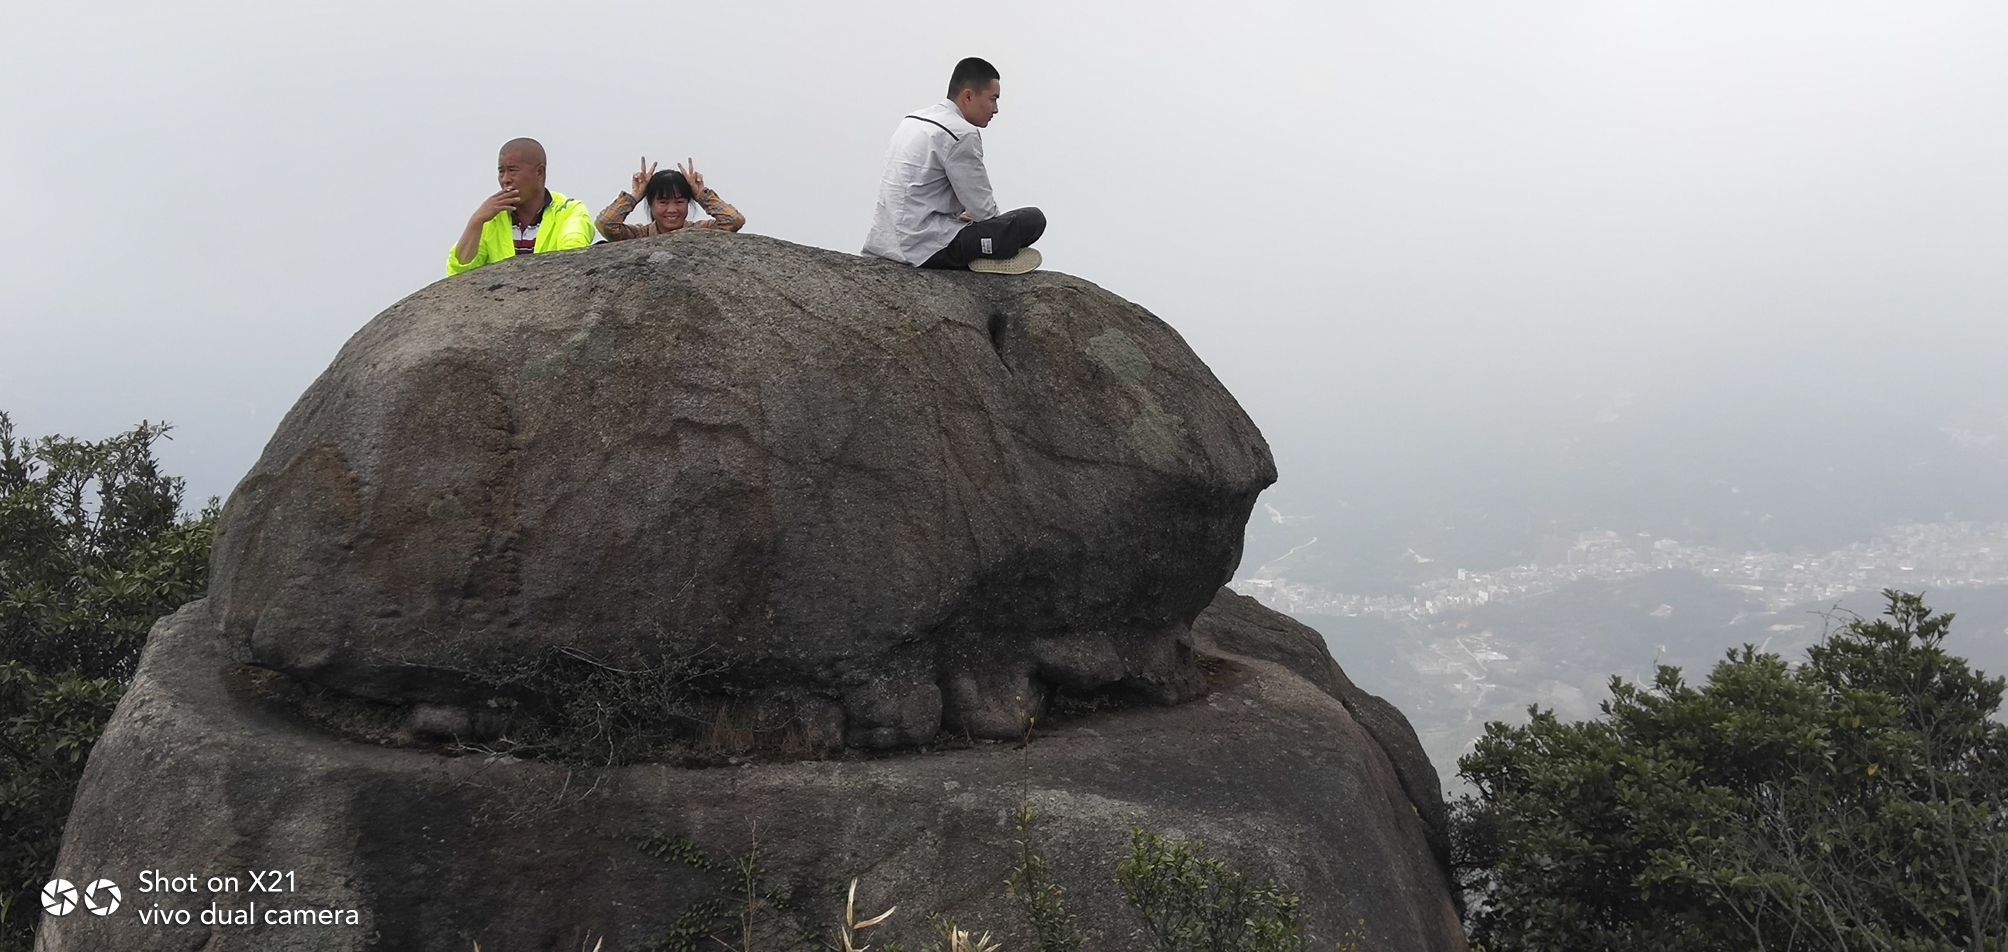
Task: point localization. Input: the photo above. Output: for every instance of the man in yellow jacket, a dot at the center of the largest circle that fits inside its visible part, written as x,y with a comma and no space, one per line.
523,218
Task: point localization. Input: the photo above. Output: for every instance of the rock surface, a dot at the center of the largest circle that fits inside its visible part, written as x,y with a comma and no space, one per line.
200,774
900,511
927,499
1238,625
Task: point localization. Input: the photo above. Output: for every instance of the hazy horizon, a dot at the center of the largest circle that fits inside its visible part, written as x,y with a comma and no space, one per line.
1434,250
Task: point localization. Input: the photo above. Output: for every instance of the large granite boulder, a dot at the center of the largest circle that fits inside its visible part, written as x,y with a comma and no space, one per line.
869,498
206,772
906,511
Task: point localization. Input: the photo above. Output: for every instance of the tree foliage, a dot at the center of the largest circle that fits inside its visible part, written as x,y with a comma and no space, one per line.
1856,801
94,548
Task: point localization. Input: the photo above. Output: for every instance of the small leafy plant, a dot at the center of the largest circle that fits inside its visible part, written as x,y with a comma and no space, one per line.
1194,903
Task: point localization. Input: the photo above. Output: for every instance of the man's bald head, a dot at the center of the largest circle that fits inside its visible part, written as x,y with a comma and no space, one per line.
529,150
520,166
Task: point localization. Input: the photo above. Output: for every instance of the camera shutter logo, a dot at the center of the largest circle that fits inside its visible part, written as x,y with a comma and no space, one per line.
59,897
102,897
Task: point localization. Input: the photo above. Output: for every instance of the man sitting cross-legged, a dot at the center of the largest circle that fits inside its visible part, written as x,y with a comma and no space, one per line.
935,209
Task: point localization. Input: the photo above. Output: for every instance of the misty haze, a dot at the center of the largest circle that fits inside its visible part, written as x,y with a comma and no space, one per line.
1487,279
1585,336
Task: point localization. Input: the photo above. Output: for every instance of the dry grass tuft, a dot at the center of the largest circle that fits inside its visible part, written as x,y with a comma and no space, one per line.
853,925
728,736
957,940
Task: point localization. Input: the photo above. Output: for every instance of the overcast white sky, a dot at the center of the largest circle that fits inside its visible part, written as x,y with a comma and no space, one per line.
1341,205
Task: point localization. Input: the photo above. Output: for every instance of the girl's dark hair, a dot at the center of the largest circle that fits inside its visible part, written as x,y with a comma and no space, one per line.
668,183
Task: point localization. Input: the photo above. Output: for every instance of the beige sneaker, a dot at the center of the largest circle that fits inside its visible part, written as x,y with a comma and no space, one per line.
1027,259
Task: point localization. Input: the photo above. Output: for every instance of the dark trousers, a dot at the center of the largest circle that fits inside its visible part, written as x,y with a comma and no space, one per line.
1004,235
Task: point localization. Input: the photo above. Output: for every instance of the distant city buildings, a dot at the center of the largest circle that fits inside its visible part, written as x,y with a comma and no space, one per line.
1914,556
1465,672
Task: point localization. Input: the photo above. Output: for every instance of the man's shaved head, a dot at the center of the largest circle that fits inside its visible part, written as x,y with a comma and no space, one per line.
520,166
529,150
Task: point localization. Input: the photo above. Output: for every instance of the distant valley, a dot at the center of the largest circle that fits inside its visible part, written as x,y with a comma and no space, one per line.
1465,647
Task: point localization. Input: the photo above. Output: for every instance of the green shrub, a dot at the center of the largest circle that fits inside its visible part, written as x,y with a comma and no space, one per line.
93,550
1856,801
1194,903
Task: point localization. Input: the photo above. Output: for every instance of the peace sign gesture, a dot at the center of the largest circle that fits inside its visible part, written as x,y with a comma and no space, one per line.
641,178
689,170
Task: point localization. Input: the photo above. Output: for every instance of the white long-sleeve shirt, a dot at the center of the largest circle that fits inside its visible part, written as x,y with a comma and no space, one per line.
933,173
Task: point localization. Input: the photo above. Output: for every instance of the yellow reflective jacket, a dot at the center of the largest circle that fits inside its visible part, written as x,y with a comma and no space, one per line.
567,224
